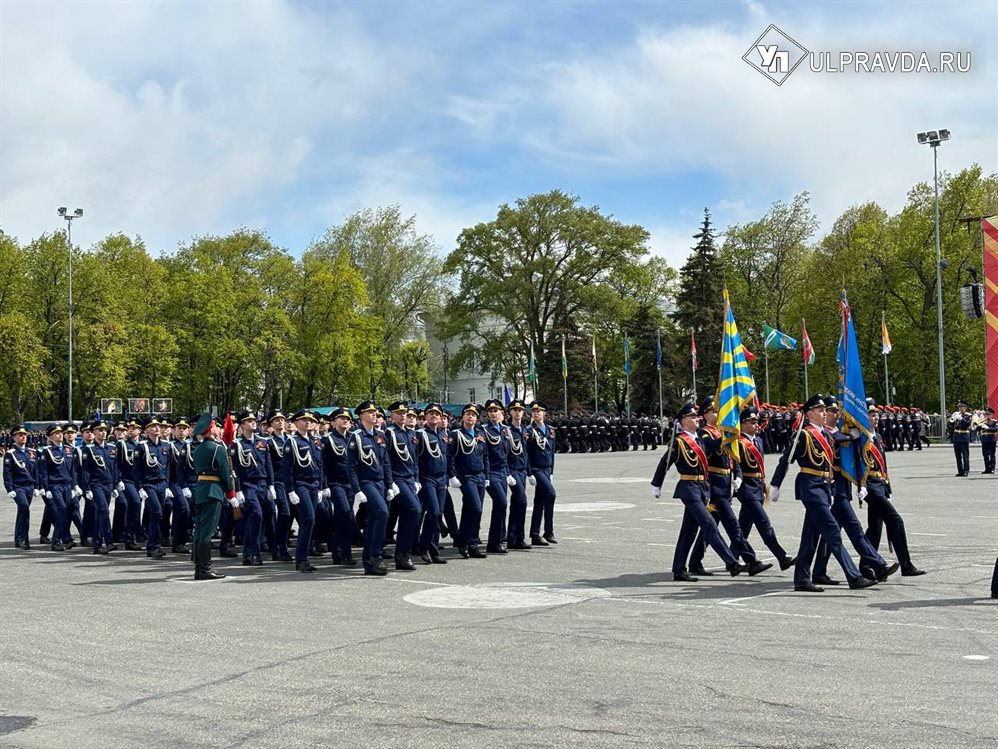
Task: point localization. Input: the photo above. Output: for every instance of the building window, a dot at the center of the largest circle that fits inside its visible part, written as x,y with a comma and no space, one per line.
471,394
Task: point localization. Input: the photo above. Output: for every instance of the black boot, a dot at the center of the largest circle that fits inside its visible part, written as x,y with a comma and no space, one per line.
203,554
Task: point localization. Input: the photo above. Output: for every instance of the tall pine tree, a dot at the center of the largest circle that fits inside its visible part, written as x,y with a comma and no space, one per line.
700,308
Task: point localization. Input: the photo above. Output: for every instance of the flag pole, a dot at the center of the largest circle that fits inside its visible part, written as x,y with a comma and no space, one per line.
887,379
595,379
659,362
564,372
627,378
694,368
765,352
807,393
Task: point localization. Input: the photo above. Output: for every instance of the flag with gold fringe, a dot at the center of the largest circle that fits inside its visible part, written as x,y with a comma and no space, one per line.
735,384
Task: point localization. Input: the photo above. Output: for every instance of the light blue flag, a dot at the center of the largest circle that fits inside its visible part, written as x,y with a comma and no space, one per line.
852,394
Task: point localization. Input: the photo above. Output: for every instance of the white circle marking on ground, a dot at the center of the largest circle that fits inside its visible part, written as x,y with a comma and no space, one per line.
591,506
976,657
504,595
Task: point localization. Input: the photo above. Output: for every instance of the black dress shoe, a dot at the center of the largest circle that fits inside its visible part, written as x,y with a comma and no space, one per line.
69,544
305,567
477,554
132,546
231,553
519,546
825,580
549,537
496,550
684,577
405,563
463,551
252,561
44,540
425,556
858,583
112,547
538,541
884,573
181,549
736,568
58,547
23,545
156,554
370,569
348,561
912,572
807,588
317,553
756,567
438,560
386,555
700,571
788,563
98,550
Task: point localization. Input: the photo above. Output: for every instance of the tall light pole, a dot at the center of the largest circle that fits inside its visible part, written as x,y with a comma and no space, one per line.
933,138
78,213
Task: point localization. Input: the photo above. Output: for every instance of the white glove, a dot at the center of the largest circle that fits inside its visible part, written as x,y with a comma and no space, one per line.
736,483
419,487
12,495
186,492
90,496
454,483
854,433
234,501
656,492
774,494
531,480
240,499
360,497
121,486
271,492
143,494
862,493
293,498
486,483
77,491
169,494
38,493
510,481
114,494
48,495
395,489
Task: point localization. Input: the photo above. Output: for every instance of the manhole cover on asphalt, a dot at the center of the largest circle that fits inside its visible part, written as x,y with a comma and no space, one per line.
503,595
591,506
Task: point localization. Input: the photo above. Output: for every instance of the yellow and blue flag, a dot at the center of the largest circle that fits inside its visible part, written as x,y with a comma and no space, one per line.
735,384
852,394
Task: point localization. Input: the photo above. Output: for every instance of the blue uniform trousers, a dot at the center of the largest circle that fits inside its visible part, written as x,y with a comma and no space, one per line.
517,508
88,521
471,510
155,495
22,498
306,519
376,518
58,512
407,507
282,526
820,524
133,512
344,527
843,513
962,452
753,513
450,517
268,521
544,497
432,496
253,493
695,515
500,504
725,515
102,515
881,512
181,516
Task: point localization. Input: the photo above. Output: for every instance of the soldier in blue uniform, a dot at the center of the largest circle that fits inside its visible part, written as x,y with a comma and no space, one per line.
875,488
989,433
434,447
56,469
334,462
305,482
87,437
871,564
99,477
69,435
468,468
152,476
20,479
497,442
753,490
250,461
183,479
518,470
811,449
540,442
402,446
128,490
276,440
693,490
959,424
370,472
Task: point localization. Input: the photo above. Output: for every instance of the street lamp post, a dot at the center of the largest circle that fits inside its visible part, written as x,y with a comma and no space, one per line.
933,138
78,213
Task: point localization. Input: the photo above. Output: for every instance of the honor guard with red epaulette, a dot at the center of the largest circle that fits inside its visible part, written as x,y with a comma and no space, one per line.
20,480
370,472
753,490
693,490
811,449
99,477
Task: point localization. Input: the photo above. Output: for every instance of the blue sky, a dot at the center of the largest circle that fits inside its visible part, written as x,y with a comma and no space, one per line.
173,119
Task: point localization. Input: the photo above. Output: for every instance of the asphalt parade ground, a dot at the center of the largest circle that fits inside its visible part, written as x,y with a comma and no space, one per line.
585,644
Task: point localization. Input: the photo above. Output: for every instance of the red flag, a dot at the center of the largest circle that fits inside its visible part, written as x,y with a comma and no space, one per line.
229,430
807,351
693,350
748,354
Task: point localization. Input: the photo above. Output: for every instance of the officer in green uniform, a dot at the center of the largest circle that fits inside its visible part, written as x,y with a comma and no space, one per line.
211,461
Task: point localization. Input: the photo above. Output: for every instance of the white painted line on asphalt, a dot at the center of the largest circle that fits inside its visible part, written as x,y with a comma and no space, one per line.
657,520
977,657
583,540
669,546
942,535
734,601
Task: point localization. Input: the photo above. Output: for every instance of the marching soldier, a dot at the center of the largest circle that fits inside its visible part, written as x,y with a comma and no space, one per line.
56,480
128,491
403,443
334,462
152,474
989,431
370,472
540,440
250,459
304,479
276,441
468,468
434,448
20,479
518,469
99,478
960,426
214,486
183,479
73,517
497,442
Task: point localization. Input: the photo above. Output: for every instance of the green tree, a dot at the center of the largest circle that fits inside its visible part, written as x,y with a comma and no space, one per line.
24,374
